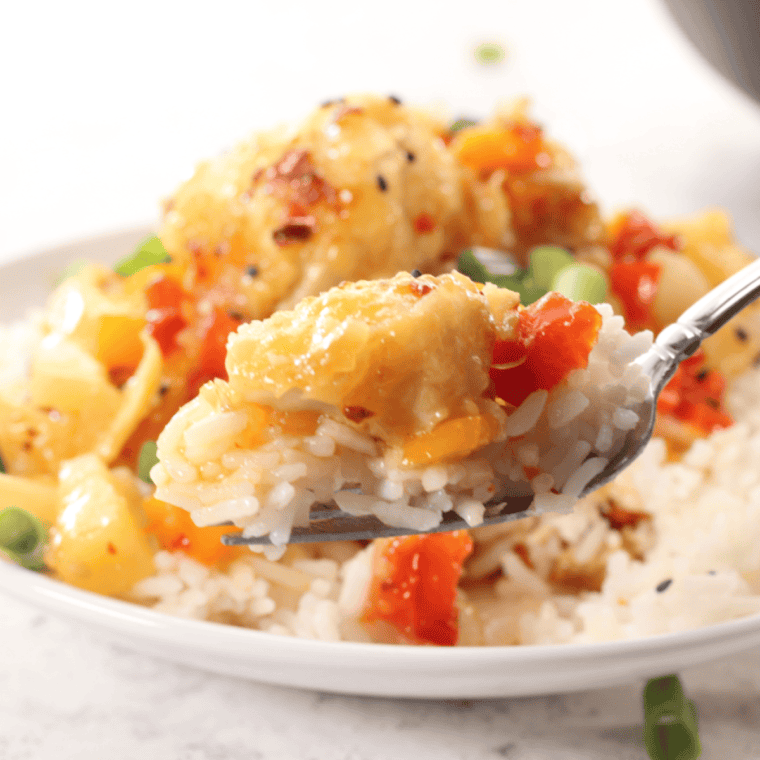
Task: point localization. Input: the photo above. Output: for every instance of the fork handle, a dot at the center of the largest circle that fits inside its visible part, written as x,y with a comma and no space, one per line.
681,339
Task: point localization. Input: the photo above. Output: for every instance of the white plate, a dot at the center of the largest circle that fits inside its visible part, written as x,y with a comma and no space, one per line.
370,669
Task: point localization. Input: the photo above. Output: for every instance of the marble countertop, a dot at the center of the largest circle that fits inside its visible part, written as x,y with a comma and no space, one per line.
65,694
107,107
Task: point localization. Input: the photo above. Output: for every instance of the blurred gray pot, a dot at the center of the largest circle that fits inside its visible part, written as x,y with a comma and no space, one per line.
727,32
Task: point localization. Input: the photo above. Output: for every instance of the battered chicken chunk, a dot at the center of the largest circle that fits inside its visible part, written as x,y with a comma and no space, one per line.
399,356
364,188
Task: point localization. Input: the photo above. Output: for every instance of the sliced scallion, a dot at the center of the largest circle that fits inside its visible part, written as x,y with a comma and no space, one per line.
75,267
470,265
22,537
462,123
151,251
147,458
670,721
581,282
489,53
545,262
521,281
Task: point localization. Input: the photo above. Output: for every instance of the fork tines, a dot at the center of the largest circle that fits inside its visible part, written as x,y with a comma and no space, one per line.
331,524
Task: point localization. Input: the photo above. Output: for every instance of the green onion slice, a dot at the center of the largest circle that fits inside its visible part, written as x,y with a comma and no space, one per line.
75,267
520,281
147,458
151,251
462,123
670,721
581,282
545,262
489,53
22,537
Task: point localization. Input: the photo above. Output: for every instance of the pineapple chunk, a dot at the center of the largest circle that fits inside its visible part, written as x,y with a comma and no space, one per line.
40,496
98,543
708,240
82,305
66,378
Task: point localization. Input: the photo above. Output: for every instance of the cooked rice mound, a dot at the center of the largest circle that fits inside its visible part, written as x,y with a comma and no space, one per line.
384,386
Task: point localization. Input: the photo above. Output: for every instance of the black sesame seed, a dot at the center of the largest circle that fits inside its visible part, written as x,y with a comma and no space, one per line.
381,183
663,586
252,271
236,315
410,156
394,99
712,572
416,273
701,375
741,334
163,389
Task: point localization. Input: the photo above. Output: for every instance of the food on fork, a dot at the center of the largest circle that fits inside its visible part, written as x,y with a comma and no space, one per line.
427,394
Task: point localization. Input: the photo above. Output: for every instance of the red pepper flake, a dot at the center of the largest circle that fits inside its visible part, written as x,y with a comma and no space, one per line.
54,415
357,413
201,258
295,232
119,375
295,180
521,550
618,517
424,223
180,541
111,548
420,288
346,110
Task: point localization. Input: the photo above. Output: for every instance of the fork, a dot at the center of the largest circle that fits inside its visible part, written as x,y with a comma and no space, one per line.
675,343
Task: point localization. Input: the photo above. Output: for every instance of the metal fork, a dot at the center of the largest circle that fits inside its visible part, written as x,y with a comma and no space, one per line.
675,343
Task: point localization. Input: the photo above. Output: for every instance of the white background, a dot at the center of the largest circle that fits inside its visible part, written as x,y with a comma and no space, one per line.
105,107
